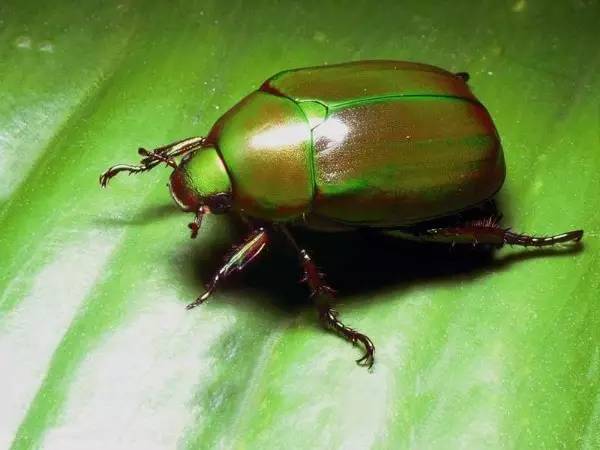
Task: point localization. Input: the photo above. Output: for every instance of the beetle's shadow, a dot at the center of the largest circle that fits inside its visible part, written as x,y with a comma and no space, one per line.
153,213
357,264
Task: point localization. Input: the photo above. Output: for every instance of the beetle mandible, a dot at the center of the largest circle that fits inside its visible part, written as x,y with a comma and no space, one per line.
367,144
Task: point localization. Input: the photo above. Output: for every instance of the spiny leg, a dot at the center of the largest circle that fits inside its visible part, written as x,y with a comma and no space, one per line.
541,241
315,280
113,170
153,158
328,316
487,231
241,256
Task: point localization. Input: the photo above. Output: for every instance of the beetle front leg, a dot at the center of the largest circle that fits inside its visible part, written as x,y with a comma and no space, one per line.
153,158
112,171
239,258
315,279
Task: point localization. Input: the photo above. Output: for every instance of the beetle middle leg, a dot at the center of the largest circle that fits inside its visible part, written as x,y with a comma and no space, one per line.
239,258
315,280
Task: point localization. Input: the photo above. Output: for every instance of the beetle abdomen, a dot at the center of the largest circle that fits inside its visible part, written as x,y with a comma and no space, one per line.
401,160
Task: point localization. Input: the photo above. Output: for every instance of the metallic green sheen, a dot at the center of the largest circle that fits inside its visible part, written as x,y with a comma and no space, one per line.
97,351
394,142
337,84
206,173
199,176
265,142
315,112
376,143
402,160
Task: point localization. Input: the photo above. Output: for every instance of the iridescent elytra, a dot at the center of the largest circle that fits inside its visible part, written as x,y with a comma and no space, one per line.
379,145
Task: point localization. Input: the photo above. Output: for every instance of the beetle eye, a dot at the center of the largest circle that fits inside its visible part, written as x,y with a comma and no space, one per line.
218,203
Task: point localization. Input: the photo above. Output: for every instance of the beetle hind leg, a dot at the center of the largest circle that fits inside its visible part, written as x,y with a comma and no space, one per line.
488,231
541,241
328,316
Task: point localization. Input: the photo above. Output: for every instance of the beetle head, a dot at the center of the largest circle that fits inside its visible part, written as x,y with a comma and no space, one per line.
201,184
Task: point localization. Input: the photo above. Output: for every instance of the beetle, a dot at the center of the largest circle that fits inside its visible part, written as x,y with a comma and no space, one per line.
374,145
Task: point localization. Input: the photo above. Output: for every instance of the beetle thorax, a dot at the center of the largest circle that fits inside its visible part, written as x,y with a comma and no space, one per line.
201,181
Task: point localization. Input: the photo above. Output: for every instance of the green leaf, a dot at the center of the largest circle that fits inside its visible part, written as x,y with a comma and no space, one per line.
96,347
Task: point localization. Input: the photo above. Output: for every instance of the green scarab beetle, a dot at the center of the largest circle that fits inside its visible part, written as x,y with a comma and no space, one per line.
368,144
